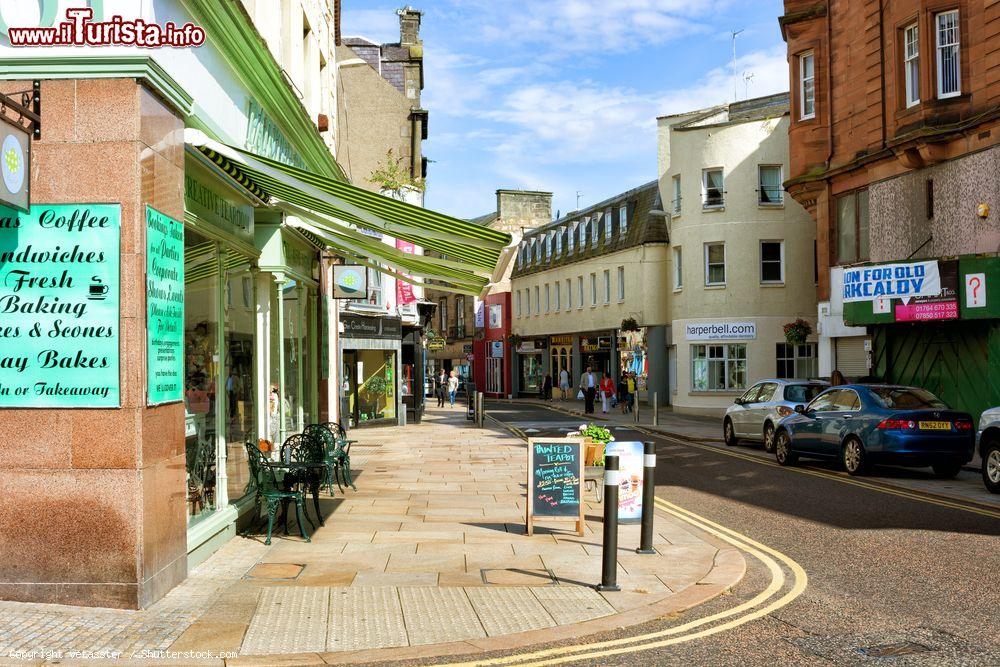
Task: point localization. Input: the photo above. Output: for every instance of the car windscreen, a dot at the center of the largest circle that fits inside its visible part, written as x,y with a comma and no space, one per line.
802,393
907,398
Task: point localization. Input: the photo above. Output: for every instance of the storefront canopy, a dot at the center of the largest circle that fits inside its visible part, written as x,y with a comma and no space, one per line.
335,211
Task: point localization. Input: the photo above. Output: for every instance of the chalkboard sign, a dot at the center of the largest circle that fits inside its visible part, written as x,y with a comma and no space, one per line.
555,481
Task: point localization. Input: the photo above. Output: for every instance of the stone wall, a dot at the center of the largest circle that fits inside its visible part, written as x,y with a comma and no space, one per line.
522,209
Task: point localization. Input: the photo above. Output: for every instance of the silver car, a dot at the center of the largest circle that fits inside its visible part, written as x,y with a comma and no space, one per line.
989,448
754,414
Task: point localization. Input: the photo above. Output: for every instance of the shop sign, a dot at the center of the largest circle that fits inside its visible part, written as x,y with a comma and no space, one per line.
975,290
898,281
467,348
207,200
435,344
721,331
595,344
531,346
164,308
631,457
479,310
496,316
941,305
15,166
59,306
404,290
496,349
350,281
265,138
565,339
298,259
388,328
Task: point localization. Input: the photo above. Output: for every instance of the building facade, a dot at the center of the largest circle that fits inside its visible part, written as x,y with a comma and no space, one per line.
589,290
741,253
901,172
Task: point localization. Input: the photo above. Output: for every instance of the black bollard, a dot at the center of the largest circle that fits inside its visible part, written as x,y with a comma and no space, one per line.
609,565
648,487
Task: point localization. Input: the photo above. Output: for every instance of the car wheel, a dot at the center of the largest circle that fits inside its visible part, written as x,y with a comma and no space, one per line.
946,469
991,466
783,453
769,438
853,456
729,433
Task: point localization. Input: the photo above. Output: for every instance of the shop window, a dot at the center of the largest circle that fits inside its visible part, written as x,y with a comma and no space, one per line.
772,262
715,264
770,191
376,387
712,192
796,361
911,64
807,86
949,61
718,367
240,404
852,227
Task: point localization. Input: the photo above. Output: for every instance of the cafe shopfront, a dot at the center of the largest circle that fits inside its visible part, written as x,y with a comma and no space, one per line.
370,368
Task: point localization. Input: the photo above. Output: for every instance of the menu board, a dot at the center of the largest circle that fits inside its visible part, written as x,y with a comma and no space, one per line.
59,306
631,459
164,308
555,480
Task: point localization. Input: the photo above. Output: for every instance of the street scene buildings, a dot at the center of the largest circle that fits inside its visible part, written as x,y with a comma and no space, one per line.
669,343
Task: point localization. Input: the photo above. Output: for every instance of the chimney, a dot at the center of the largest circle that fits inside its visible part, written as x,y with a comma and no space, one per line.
522,209
409,26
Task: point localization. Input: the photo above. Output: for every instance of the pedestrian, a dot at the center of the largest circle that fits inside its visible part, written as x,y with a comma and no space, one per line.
623,392
631,388
440,386
547,387
564,383
452,387
588,385
607,392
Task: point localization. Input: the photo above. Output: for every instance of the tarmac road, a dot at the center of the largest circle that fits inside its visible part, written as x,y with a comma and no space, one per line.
886,573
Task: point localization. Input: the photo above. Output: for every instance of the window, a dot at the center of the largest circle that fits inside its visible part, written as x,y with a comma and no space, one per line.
678,269
911,64
538,301
595,230
676,182
569,294
796,361
460,317
593,289
622,220
558,305
559,242
548,246
607,286
443,315
374,287
712,194
548,298
570,238
715,263
772,262
527,302
718,367
949,60
579,285
519,303
583,234
609,226
852,227
807,86
770,192
621,283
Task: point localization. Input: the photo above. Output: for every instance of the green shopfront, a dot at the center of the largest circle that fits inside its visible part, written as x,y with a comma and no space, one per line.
947,342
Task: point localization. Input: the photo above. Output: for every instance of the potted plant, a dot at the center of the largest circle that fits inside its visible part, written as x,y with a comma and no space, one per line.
595,439
796,332
629,324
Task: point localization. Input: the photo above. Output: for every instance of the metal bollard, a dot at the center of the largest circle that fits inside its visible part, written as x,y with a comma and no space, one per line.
648,488
609,564
656,411
482,409
635,407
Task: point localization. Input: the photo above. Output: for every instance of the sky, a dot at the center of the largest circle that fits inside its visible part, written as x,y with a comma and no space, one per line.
563,95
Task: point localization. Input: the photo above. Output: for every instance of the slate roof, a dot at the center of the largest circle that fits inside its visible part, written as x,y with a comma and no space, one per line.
643,228
758,108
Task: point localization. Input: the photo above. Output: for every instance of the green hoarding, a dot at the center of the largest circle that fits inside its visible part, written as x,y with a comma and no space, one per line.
59,306
164,308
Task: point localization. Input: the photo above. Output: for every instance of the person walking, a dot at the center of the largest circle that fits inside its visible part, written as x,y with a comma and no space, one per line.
607,392
623,392
564,383
547,387
588,385
630,397
441,386
452,387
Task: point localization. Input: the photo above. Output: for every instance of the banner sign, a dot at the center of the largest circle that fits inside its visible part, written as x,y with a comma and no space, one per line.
630,466
164,308
350,281
479,311
721,331
942,305
59,306
555,481
404,290
898,281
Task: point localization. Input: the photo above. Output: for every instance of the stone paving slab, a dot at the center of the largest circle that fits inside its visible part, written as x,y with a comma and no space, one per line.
436,615
289,619
365,617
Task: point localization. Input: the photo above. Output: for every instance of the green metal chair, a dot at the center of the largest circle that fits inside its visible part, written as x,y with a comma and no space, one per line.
341,455
267,489
305,448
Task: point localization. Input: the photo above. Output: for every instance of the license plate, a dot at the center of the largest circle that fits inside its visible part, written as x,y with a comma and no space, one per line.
935,426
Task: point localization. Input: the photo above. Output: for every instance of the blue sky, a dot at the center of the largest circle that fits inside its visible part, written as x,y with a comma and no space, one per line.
562,95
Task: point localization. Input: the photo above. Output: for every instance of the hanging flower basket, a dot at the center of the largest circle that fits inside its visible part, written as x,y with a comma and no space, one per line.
514,340
629,324
798,331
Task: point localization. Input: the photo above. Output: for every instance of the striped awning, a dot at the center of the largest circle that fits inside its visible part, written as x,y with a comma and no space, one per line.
335,212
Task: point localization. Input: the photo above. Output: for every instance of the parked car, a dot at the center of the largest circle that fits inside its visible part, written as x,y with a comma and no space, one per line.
862,424
754,415
989,448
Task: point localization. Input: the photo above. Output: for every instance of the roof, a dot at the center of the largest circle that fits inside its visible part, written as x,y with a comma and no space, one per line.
485,220
644,227
758,108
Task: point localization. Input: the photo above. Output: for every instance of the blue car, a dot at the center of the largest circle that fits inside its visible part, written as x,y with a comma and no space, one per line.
861,424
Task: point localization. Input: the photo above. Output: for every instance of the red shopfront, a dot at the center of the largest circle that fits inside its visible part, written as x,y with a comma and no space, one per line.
491,352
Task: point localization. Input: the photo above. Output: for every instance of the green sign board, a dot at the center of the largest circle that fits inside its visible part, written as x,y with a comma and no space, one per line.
59,306
164,308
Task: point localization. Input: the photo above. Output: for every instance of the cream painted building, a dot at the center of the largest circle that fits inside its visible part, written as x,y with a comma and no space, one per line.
575,282
742,254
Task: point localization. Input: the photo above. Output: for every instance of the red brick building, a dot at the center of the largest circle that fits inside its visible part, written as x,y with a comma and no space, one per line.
894,151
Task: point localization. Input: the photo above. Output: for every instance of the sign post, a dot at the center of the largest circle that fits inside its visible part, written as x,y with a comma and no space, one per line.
555,481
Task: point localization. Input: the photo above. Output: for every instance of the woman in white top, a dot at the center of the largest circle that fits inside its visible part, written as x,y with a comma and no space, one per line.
452,387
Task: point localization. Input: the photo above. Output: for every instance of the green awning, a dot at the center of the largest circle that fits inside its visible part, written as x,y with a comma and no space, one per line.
333,207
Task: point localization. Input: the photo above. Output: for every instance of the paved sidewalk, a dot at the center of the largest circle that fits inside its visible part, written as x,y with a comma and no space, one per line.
428,557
